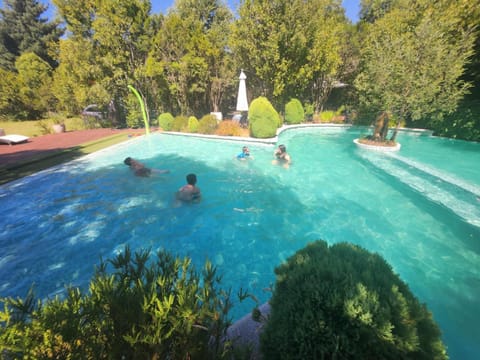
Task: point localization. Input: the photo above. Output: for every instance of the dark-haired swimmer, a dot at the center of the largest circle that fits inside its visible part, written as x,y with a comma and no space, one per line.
245,154
281,157
140,169
189,192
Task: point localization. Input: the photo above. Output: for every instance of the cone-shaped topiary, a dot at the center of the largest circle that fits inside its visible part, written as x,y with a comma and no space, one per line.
165,121
342,302
294,113
193,124
263,118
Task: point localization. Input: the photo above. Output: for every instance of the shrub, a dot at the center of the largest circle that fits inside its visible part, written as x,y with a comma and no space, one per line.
342,302
160,309
165,121
294,113
326,116
309,111
180,123
229,128
192,124
207,124
264,119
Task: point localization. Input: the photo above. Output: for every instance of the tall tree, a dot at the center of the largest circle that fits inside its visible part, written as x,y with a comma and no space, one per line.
116,37
412,62
292,48
215,18
191,47
23,29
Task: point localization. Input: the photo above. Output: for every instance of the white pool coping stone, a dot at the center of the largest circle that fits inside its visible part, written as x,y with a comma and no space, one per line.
377,147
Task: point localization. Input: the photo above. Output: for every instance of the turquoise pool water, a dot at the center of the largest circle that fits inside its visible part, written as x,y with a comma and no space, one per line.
419,208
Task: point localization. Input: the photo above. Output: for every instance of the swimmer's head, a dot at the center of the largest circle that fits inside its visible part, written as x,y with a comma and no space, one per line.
128,161
282,148
191,179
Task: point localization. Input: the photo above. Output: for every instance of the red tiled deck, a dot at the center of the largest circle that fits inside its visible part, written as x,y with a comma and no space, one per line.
40,145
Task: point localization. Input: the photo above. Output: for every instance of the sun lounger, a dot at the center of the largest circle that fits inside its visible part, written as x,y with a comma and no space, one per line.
13,139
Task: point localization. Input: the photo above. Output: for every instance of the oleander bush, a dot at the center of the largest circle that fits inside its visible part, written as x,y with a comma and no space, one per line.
165,121
180,123
343,302
229,128
294,113
193,124
263,118
146,308
207,124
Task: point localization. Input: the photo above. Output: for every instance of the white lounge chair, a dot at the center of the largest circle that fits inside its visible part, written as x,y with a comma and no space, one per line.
13,139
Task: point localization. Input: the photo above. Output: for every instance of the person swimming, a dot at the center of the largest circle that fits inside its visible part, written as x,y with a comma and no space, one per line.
140,169
281,156
137,167
189,192
245,154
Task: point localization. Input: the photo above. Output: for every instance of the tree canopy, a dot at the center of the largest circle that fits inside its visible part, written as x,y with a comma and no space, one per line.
413,59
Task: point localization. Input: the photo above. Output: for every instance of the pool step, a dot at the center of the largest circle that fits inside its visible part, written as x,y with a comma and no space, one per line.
455,194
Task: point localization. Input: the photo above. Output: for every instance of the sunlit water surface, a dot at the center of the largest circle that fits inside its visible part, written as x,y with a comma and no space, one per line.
419,208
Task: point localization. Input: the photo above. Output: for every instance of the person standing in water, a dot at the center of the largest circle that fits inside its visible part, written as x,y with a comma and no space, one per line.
281,157
189,192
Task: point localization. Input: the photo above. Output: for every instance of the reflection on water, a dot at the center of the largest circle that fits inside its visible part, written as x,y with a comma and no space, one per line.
416,208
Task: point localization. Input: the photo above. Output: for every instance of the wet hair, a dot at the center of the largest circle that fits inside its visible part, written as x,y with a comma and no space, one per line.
191,179
127,161
282,148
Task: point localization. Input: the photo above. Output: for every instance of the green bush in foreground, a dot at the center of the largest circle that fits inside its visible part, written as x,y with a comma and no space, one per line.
145,309
342,302
294,113
263,118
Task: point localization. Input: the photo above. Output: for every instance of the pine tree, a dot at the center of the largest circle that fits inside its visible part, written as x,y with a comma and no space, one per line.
23,29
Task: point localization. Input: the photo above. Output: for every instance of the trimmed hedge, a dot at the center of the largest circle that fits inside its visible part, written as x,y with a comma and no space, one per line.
342,302
294,113
263,118
193,124
180,123
165,121
207,124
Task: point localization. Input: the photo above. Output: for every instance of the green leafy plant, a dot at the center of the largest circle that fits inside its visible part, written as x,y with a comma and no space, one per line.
180,123
343,302
294,113
193,124
145,308
207,124
263,118
165,121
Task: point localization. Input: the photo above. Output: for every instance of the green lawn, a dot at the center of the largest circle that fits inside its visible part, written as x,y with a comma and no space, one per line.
34,128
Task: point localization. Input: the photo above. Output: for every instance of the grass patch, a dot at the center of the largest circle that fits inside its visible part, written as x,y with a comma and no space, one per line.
43,161
32,128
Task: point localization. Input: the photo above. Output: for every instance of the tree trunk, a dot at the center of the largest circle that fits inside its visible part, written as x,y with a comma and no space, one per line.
381,127
395,132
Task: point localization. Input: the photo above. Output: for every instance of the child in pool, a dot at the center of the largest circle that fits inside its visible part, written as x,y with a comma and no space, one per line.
282,157
189,192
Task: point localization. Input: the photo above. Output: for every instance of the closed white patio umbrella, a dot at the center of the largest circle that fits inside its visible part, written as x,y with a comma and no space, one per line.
242,102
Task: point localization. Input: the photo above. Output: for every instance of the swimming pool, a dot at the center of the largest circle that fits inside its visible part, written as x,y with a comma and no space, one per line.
418,208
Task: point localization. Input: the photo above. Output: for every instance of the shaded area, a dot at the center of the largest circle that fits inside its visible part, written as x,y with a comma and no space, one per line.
17,161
